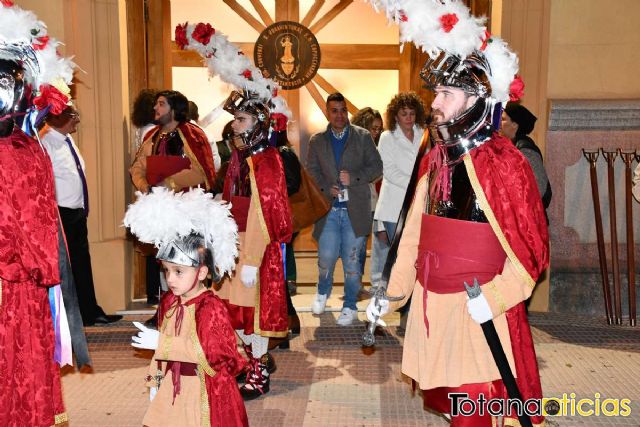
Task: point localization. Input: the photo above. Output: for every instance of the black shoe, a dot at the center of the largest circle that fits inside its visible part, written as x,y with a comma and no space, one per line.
292,287
294,324
269,362
104,319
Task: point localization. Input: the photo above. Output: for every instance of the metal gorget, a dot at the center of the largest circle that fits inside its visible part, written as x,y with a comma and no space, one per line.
464,133
462,203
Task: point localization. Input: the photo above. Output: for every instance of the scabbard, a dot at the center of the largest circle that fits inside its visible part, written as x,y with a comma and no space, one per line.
499,356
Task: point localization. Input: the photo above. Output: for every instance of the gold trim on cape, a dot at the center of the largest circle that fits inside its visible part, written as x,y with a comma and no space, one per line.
203,369
484,205
61,418
193,158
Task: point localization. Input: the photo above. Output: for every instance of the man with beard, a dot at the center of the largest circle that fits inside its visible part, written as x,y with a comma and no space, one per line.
476,215
175,154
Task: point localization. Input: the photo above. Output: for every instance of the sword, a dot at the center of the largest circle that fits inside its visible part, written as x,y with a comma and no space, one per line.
379,292
493,340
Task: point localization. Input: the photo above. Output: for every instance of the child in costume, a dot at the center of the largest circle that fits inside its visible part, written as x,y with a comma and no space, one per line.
192,374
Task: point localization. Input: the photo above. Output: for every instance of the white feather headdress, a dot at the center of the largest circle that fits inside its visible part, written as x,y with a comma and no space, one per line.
447,25
224,59
162,216
24,39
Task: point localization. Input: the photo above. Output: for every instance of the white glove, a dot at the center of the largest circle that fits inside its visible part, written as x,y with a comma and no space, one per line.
479,309
248,275
147,338
377,307
152,393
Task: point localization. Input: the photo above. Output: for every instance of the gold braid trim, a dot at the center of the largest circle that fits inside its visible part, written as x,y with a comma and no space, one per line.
167,341
194,159
255,199
497,296
203,363
203,369
484,205
61,418
205,414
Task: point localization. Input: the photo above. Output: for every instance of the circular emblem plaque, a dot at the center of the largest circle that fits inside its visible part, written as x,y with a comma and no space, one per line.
288,53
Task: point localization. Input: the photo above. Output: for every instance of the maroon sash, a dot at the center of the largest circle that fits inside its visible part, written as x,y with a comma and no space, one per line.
452,252
240,211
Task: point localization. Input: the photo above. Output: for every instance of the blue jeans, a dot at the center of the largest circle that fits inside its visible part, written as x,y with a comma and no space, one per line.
338,240
380,250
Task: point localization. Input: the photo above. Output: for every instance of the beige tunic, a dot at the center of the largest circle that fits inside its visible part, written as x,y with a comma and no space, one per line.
186,410
455,352
252,244
186,178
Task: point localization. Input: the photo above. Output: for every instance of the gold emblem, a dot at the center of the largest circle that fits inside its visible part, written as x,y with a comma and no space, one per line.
288,53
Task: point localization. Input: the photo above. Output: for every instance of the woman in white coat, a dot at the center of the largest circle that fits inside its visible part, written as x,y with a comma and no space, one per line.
398,148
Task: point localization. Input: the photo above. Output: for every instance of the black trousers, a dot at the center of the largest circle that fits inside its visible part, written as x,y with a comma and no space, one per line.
74,223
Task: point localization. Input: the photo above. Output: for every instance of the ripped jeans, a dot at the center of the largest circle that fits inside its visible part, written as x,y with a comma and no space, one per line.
338,240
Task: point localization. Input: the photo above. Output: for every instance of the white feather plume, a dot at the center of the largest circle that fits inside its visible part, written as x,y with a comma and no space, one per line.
420,24
19,27
161,216
224,59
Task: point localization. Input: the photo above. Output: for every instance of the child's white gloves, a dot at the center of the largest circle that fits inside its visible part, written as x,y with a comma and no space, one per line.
147,338
248,275
479,309
152,393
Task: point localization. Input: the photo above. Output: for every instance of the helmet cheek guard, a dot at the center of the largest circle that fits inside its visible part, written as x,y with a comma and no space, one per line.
250,103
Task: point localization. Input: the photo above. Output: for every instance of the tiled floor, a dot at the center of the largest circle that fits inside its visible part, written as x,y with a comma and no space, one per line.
326,379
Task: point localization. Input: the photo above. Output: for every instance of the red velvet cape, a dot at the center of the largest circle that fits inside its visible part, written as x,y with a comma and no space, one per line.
510,188
30,383
218,341
198,143
274,205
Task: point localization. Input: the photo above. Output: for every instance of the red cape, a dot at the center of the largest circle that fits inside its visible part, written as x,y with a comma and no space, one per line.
197,142
506,189
271,186
30,386
218,341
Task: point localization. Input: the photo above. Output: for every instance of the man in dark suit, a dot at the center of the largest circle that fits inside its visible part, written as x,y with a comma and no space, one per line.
343,160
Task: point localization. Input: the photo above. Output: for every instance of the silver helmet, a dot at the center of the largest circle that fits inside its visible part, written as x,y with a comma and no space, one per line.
475,125
190,251
250,103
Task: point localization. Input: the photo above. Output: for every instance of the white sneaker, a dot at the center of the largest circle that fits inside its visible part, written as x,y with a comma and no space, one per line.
347,317
319,303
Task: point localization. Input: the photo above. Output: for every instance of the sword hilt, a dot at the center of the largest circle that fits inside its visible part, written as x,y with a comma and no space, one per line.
473,291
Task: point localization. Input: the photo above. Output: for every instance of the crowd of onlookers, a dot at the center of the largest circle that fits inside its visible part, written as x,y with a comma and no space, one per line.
361,169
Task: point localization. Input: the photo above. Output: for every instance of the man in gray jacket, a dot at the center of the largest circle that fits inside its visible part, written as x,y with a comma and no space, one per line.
343,160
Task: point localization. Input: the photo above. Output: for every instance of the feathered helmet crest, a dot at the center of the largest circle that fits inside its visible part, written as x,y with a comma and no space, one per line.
224,59
462,51
25,40
181,224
